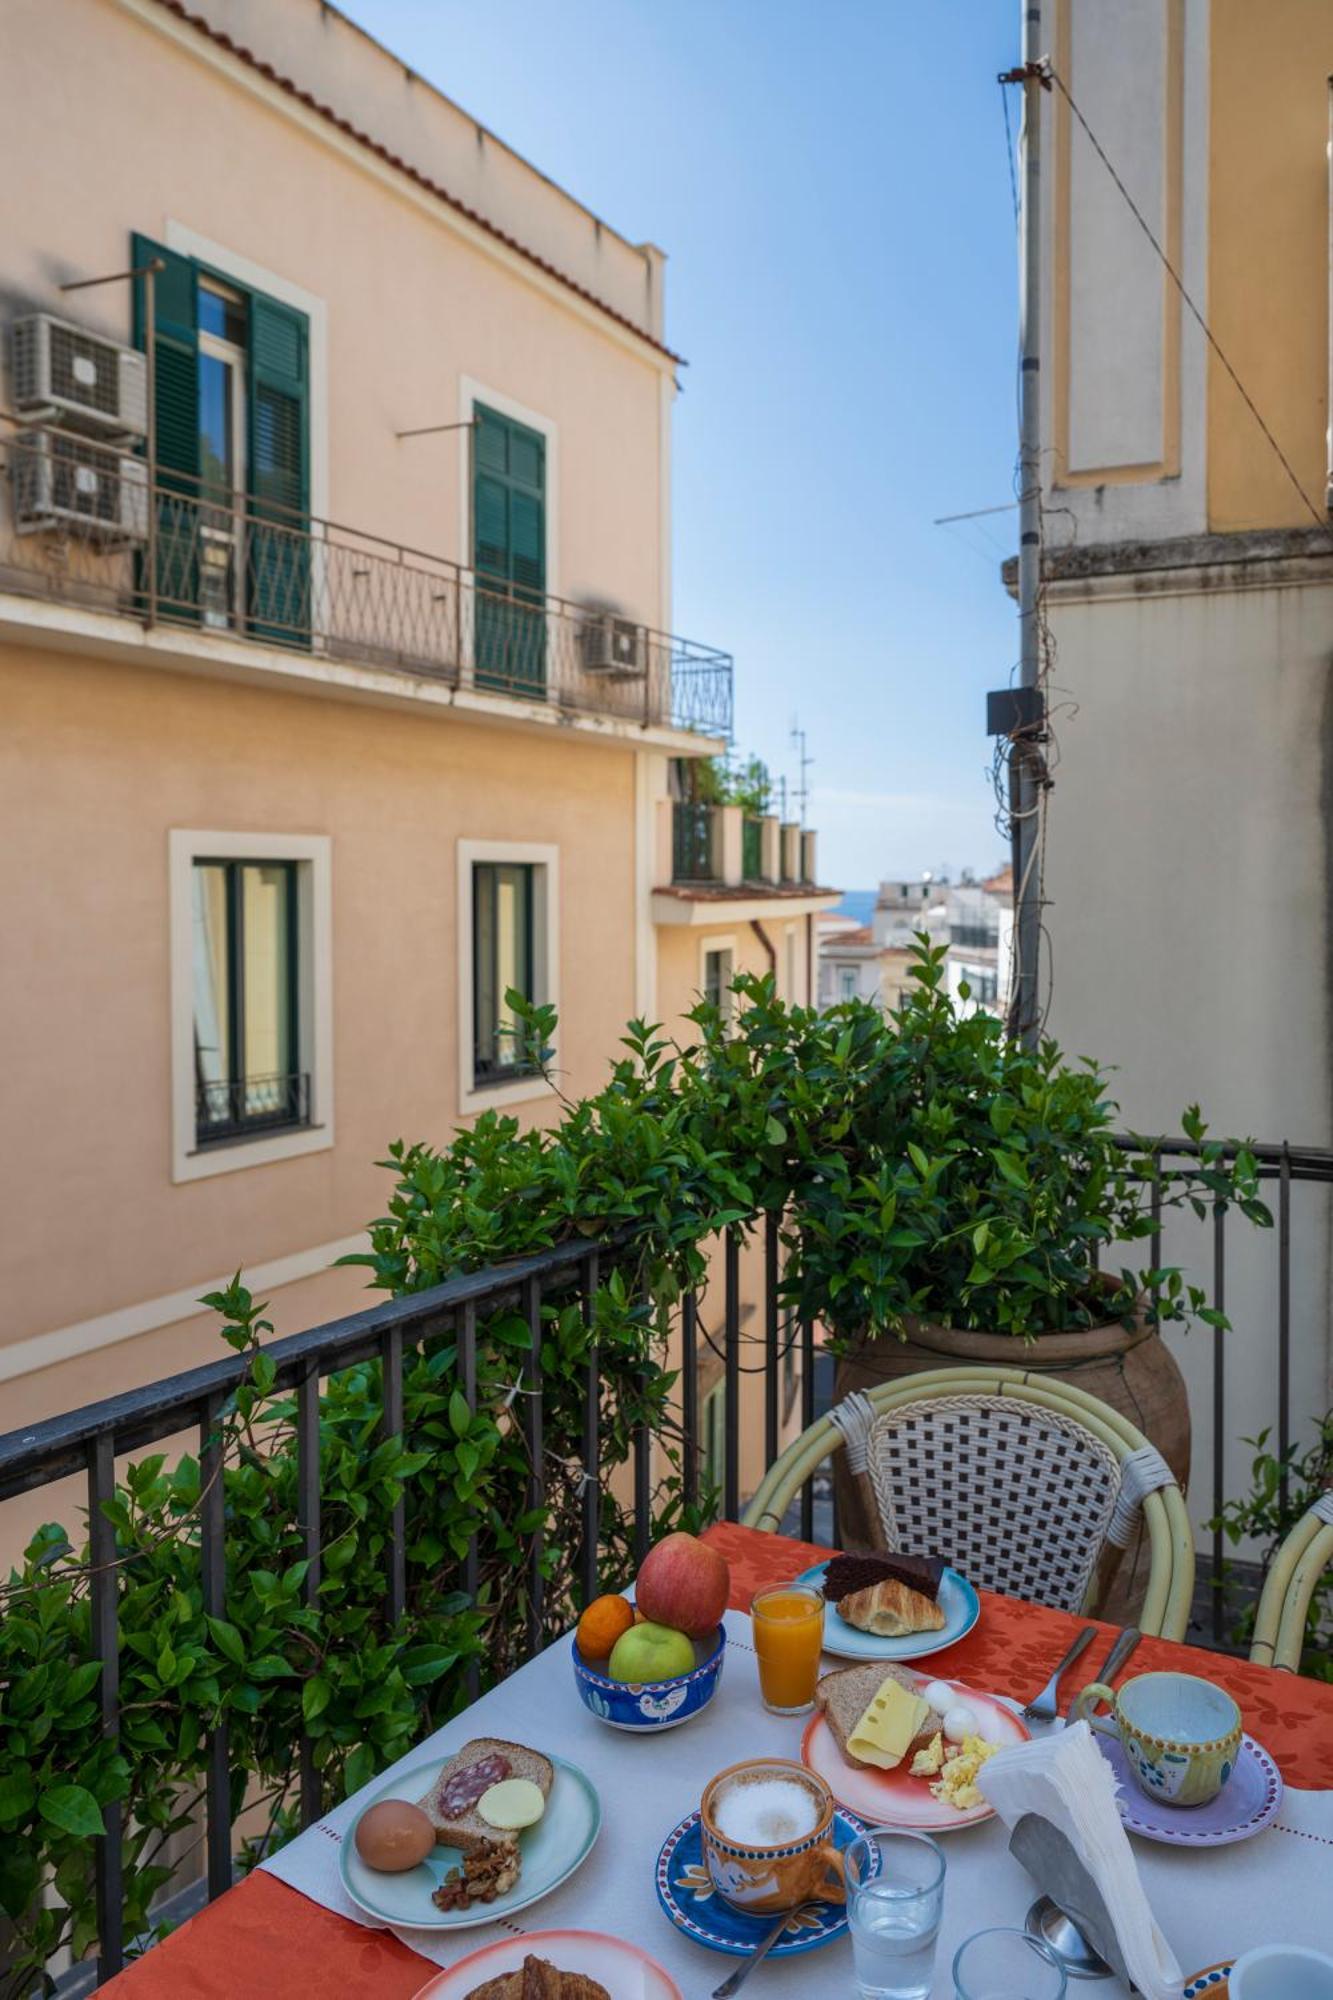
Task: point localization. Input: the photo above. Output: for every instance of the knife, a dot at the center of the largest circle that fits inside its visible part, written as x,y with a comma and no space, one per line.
1120,1653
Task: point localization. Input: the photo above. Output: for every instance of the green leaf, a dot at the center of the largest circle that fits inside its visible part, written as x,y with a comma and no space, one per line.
315,1697
775,1132
460,1416
17,1792
20,1873
227,1640
72,1809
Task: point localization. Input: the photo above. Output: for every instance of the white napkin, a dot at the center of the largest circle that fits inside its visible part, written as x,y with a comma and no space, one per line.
1064,1778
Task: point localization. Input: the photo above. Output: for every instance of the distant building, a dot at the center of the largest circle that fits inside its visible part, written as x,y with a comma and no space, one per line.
972,919
980,933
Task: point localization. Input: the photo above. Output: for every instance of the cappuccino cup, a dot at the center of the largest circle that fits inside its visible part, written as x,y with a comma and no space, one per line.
1180,1733
767,1832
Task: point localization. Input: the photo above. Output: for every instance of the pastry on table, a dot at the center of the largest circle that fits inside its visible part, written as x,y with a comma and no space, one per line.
890,1610
860,1568
538,1979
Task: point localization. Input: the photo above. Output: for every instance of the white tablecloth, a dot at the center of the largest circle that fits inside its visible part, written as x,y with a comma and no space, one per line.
1211,1904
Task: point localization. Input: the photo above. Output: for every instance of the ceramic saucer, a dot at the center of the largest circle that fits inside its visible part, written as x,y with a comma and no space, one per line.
1251,1797
1210,1984
685,1891
958,1601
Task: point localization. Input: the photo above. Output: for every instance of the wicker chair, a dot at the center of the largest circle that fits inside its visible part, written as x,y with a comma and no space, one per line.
1030,1486
1279,1625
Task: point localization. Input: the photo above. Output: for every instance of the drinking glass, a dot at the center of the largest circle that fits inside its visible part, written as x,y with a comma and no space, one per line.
788,1623
893,1910
1007,1965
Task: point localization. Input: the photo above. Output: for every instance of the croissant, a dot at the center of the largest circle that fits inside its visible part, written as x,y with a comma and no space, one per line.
891,1611
540,1980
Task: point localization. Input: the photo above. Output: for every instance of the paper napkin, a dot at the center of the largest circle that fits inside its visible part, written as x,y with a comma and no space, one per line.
1064,1779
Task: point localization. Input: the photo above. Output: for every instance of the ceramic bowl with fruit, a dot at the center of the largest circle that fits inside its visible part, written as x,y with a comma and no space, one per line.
654,1663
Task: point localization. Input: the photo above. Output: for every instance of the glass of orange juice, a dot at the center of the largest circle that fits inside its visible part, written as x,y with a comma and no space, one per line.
788,1622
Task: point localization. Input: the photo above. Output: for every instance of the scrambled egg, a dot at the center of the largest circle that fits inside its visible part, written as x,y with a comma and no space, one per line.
956,1784
929,1762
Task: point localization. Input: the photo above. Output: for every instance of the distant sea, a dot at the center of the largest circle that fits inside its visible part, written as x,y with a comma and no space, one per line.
858,903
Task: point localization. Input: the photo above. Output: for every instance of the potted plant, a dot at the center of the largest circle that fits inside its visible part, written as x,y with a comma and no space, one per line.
949,1194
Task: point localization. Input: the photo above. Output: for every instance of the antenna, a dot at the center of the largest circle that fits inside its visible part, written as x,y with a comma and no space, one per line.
804,760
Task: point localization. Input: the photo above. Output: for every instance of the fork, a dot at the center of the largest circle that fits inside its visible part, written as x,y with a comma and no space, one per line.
1046,1708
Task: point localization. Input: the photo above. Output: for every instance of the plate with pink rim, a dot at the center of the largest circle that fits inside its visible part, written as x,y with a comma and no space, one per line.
619,1966
1250,1799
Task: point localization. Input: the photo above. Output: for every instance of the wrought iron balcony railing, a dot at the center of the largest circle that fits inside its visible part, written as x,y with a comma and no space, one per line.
694,856
752,848
224,1107
82,523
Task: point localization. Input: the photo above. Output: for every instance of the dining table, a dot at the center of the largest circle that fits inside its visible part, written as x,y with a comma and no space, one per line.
288,1930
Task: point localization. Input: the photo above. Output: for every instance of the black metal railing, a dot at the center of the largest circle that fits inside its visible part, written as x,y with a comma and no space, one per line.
82,524
752,849
227,1106
734,1338
693,842
975,937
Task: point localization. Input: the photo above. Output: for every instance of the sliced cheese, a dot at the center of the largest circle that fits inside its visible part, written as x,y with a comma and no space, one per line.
511,1804
886,1729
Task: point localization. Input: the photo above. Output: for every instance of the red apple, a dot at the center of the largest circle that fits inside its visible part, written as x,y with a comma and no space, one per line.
684,1584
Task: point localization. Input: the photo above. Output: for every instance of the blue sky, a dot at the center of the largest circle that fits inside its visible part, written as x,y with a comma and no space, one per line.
828,179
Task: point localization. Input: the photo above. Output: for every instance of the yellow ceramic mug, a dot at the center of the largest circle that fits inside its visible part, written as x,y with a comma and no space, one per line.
1180,1733
765,1877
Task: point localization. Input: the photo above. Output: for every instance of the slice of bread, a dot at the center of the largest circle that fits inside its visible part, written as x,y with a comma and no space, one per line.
843,1698
456,1821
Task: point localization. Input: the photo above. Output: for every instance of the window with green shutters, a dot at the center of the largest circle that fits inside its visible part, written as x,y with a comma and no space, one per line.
509,553
259,537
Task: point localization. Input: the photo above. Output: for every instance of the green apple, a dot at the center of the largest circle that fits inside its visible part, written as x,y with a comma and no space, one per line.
650,1653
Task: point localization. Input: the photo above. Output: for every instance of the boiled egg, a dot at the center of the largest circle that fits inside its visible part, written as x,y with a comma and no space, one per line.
941,1696
393,1836
960,1722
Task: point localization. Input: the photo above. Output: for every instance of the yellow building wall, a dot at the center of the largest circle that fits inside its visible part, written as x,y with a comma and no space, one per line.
97,763
1268,266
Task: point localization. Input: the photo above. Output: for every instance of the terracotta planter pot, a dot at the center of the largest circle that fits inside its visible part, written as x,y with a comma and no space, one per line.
1128,1367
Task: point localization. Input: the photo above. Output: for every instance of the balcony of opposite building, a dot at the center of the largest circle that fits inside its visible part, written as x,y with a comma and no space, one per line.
97,557
710,854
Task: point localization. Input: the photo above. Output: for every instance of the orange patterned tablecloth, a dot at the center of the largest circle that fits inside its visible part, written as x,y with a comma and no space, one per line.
264,1938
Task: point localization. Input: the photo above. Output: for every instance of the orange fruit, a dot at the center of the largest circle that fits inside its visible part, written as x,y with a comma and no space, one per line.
602,1624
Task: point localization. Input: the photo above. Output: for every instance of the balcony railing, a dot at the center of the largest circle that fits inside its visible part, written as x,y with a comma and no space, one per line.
82,524
226,1106
779,1350
694,855
752,848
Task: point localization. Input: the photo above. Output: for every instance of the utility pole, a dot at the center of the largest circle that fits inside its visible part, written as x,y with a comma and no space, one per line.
804,761
1019,713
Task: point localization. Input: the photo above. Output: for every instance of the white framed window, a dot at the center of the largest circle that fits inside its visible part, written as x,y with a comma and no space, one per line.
847,982
717,969
251,999
508,936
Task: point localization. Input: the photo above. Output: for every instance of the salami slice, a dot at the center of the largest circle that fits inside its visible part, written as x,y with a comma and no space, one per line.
457,1795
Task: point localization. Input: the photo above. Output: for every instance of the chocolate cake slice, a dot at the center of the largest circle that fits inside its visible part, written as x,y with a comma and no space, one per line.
848,1573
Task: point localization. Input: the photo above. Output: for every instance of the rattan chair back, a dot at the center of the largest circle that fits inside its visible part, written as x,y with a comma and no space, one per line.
1017,1497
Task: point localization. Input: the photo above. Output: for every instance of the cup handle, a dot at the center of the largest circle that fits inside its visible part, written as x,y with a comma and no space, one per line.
1094,1692
833,1889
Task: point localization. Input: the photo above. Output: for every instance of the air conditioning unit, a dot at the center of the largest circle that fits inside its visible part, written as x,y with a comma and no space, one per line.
88,382
65,482
615,646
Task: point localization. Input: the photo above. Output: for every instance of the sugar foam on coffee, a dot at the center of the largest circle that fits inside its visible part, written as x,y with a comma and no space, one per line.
765,1812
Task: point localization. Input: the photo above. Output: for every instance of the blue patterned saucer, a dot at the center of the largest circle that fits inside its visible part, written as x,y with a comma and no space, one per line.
1211,1984
686,1893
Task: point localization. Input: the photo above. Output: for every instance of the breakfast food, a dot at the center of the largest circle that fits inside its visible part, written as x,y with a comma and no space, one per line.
890,1610
538,1979
452,1803
683,1583
512,1804
486,1872
877,1718
393,1836
650,1652
605,1620
890,1720
846,1574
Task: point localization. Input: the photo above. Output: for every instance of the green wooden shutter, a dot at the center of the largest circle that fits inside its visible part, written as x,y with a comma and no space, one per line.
176,408
509,553
279,455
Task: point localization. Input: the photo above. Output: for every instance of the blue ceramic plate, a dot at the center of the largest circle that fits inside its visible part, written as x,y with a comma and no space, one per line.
1211,1984
958,1601
686,1893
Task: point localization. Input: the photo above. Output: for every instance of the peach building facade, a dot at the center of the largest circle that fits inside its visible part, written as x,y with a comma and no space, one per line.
363,710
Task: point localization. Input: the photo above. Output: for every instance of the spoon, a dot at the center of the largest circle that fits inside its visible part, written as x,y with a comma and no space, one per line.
761,1950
